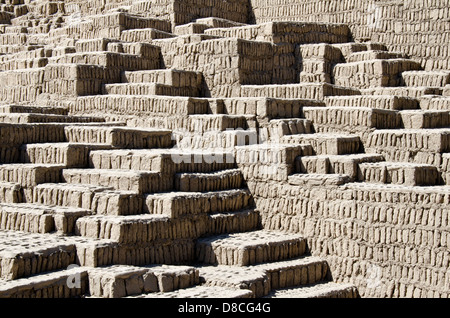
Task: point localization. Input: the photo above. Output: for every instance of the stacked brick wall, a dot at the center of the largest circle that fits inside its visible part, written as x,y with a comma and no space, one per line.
419,28
373,236
389,240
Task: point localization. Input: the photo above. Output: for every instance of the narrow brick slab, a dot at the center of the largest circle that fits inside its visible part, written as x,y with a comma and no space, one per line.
242,249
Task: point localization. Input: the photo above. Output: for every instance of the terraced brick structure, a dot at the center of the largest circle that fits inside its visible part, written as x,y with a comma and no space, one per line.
224,148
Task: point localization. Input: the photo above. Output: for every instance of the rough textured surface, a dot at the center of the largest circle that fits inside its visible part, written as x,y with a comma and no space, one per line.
224,148
402,26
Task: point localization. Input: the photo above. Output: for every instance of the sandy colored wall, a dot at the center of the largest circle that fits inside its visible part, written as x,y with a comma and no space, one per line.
420,28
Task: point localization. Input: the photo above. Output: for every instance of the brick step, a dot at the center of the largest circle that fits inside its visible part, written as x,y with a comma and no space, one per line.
200,128
29,175
10,192
120,20
149,89
15,118
242,249
327,144
263,107
177,204
106,124
270,161
435,102
318,179
323,290
446,90
133,229
203,182
64,50
109,25
35,218
191,28
120,61
221,122
30,220
410,145
83,76
373,73
315,71
8,29
123,280
287,32
317,61
263,278
27,51
26,254
71,155
351,118
316,91
22,64
12,39
95,253
170,77
33,53
398,173
48,285
435,140
445,168
216,140
426,78
21,86
322,51
446,162
299,271
201,292
99,200
335,164
215,22
234,277
163,160
127,180
13,49
282,127
140,105
120,137
349,48
413,92
129,21
143,50
144,35
417,119
374,101
374,55
245,220
34,109
160,229
14,29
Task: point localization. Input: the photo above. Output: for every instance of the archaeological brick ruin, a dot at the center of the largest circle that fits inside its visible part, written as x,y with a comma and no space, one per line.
224,148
